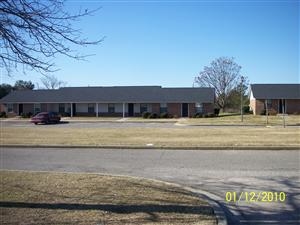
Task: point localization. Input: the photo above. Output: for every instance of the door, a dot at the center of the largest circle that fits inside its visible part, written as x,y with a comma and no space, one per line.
130,109
20,109
185,110
74,109
281,106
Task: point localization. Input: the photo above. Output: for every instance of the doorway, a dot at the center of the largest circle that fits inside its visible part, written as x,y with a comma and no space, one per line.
20,109
74,109
281,106
185,110
130,109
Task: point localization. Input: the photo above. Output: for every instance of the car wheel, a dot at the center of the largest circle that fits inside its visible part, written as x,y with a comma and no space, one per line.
35,123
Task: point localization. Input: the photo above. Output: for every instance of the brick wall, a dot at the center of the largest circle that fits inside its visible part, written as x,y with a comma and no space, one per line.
192,109
208,108
293,106
156,108
28,108
174,109
259,106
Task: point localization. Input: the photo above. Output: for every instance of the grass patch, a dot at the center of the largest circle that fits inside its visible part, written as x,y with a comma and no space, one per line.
64,198
195,136
290,120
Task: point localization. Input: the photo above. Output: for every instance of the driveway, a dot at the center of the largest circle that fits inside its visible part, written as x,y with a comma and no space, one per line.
214,171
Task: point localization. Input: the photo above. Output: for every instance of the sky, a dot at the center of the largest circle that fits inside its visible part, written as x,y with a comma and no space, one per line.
168,43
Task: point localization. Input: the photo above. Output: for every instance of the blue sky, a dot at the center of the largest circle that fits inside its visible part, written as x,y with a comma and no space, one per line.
169,42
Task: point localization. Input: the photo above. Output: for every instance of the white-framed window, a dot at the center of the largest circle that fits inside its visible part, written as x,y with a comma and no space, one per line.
111,108
91,108
61,107
163,107
10,107
36,108
199,107
269,103
143,108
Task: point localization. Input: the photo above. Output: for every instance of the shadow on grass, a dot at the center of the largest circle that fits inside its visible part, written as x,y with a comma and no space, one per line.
145,208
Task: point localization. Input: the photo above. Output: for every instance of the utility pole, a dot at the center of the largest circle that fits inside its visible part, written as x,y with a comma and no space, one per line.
241,89
283,111
267,111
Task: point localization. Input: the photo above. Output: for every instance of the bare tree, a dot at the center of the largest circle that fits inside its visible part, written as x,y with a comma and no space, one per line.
33,32
51,82
223,74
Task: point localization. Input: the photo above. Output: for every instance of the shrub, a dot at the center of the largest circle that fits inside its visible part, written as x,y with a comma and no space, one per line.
164,115
146,115
26,115
64,114
211,115
271,112
153,116
246,109
216,111
263,112
198,115
3,114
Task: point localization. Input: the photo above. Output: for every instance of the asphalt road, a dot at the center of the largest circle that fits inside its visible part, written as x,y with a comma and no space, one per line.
214,171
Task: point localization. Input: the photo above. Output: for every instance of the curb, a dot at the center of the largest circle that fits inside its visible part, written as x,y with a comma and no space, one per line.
282,148
209,197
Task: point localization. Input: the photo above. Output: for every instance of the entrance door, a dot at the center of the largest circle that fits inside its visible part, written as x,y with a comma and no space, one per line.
282,106
74,108
20,109
130,109
185,110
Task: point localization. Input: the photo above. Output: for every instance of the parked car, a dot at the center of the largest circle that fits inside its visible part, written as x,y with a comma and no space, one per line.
45,117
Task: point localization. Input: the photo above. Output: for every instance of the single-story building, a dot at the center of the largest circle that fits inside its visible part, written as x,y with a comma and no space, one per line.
112,101
277,98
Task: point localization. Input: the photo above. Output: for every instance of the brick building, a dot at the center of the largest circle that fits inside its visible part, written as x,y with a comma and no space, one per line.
123,101
277,98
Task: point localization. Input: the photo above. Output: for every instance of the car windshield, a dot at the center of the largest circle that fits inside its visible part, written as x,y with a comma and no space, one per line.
42,115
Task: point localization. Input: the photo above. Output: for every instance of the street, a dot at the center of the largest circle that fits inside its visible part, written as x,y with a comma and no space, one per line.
216,172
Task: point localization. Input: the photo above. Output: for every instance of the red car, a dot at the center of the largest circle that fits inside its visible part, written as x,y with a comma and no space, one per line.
45,117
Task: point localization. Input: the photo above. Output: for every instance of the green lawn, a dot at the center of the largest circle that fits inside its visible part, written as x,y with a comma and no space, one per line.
65,198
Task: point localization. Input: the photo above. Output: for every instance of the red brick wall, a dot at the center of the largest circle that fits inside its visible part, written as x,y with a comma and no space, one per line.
156,108
174,109
293,106
259,106
208,108
192,109
28,108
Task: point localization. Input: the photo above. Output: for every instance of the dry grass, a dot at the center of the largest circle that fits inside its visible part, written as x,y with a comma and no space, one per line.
291,120
195,136
61,198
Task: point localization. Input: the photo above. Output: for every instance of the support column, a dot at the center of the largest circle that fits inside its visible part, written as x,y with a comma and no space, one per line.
123,110
97,110
71,109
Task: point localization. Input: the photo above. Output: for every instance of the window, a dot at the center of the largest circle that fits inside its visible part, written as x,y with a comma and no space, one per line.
143,108
269,103
61,108
163,108
111,108
10,107
37,108
199,107
91,108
